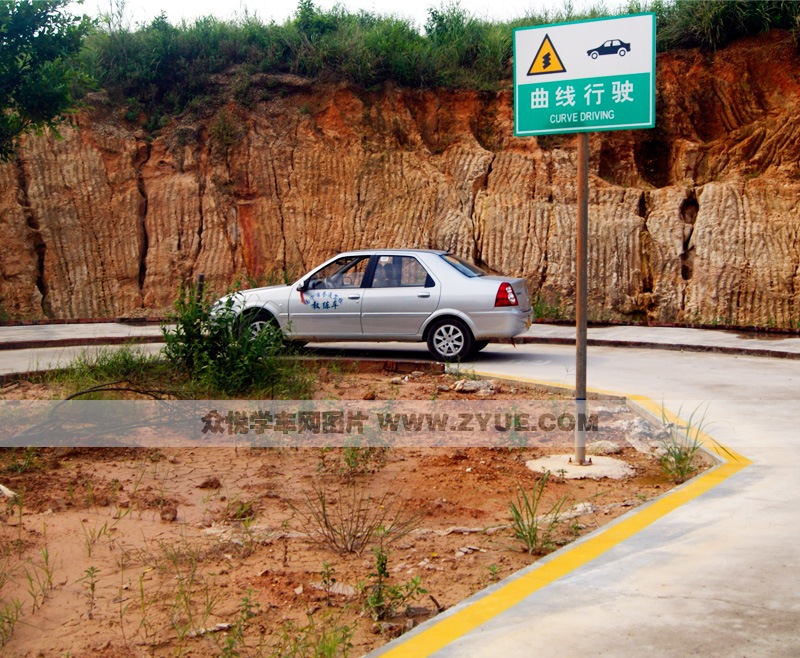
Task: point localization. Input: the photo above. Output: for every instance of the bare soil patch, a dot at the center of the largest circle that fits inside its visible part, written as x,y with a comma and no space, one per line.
116,552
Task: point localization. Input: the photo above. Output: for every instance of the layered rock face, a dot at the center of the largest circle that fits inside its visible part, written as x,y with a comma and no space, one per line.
695,221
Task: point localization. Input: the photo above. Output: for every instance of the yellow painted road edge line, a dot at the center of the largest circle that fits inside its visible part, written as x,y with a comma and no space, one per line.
449,629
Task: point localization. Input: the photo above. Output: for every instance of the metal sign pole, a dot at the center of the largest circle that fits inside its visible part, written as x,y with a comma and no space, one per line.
581,297
590,75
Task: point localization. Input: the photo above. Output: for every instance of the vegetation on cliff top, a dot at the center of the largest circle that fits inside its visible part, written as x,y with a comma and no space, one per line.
158,70
163,69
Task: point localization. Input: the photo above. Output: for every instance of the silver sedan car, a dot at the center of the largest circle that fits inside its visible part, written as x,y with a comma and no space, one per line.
392,295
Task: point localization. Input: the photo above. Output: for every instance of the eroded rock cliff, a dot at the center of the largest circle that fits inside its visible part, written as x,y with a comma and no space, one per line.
696,221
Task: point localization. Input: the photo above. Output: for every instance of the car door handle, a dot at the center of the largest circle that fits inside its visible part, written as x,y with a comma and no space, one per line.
353,296
423,294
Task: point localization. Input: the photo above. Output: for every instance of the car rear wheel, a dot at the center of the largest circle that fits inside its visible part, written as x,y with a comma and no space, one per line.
450,340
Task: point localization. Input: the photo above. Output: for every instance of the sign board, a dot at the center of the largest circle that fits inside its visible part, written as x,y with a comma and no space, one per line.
585,76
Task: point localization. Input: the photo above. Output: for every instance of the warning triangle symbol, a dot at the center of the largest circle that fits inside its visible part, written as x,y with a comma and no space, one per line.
546,60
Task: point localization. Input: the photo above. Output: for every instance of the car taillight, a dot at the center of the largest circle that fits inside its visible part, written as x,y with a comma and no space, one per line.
505,296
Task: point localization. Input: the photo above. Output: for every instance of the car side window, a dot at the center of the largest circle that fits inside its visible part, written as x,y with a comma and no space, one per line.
345,272
400,271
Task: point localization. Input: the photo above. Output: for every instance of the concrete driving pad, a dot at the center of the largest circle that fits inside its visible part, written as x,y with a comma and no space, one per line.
565,466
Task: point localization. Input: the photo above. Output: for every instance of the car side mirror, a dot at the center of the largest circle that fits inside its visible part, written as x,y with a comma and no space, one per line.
302,286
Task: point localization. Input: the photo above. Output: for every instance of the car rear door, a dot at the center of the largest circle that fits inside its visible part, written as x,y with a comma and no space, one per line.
401,297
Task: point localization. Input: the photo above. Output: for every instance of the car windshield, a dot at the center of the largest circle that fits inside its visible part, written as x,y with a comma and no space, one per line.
466,268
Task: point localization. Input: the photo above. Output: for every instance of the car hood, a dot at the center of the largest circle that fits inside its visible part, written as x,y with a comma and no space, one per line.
254,297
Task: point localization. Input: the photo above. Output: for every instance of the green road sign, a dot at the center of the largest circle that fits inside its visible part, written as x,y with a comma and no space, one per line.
585,76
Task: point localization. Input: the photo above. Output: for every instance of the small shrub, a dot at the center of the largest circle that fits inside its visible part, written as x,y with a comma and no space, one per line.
235,639
680,447
220,353
548,310
535,531
226,131
348,520
383,600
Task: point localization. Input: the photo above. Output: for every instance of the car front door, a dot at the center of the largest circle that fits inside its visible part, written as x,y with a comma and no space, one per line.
327,303
402,296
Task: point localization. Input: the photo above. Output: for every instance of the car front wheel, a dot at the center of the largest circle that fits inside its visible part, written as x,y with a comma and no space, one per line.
253,323
450,340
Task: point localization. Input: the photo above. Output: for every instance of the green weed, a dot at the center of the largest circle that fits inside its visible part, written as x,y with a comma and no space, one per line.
680,447
533,529
324,635
548,310
20,460
89,581
381,598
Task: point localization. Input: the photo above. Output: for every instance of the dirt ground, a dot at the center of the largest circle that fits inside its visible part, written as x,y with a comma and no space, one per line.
206,552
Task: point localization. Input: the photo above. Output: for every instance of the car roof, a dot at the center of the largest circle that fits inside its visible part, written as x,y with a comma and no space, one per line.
393,251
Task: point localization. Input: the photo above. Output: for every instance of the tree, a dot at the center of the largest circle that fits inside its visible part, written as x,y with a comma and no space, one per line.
38,40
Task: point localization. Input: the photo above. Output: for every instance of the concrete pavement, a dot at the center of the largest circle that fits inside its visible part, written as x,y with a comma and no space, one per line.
36,347
14,337
28,348
673,338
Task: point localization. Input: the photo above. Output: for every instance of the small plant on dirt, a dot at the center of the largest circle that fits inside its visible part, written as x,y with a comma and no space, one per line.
9,615
115,373
327,580
323,636
535,531
89,581
20,460
235,640
192,605
92,535
145,604
382,599
351,461
17,501
680,447
348,519
362,460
